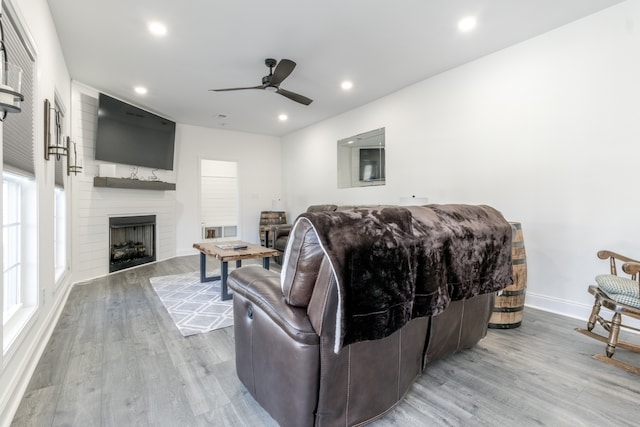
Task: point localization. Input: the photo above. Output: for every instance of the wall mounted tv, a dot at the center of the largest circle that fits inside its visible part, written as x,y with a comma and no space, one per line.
129,135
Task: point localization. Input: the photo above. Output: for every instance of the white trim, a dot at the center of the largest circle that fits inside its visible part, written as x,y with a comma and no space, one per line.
570,309
18,20
11,396
558,306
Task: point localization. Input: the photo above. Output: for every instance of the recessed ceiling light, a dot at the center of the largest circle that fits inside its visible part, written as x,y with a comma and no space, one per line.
157,28
467,23
140,90
283,117
346,85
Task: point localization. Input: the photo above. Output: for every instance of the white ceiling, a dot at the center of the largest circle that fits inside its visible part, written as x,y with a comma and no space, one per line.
382,46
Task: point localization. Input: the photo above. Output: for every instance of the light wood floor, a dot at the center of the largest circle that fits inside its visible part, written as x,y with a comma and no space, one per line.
116,359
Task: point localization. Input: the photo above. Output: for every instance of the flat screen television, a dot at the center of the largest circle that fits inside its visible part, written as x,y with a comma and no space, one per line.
130,135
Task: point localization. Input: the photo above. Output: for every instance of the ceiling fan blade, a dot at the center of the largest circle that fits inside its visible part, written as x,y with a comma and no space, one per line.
282,71
237,88
295,97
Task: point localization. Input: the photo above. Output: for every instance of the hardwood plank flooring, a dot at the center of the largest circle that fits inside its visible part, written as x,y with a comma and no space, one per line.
116,359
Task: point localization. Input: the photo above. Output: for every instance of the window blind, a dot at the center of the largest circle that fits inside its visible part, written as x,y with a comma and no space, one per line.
19,128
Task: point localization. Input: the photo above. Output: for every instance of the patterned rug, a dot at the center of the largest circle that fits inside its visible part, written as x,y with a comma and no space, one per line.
194,307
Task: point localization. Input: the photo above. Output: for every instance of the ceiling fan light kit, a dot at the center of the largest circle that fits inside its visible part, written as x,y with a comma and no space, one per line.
272,81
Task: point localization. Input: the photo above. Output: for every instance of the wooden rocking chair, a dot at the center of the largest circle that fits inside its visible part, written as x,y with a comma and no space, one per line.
621,295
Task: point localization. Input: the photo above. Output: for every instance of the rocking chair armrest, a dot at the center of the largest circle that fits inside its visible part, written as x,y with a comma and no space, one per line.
631,268
604,254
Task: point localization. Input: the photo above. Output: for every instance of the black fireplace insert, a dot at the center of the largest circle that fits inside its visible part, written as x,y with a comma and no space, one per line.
132,241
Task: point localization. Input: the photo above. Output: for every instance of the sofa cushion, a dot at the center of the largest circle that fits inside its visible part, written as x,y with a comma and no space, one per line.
302,259
322,208
616,285
620,289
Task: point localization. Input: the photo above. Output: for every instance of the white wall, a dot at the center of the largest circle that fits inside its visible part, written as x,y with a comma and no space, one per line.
546,131
259,178
52,76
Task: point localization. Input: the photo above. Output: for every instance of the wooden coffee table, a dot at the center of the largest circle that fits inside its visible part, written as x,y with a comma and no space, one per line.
225,255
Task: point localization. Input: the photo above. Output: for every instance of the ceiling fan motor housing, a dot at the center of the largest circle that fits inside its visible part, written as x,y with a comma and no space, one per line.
269,62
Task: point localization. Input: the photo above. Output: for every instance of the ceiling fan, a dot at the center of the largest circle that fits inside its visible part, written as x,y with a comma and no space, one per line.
273,80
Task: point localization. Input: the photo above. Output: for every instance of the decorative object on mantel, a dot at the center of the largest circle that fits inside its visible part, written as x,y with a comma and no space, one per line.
10,81
59,149
134,173
133,184
413,201
74,168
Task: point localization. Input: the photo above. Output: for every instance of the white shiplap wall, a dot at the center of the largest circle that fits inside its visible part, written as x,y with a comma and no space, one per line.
93,206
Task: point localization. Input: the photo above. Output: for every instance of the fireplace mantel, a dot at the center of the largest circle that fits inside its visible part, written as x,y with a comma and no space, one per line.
135,184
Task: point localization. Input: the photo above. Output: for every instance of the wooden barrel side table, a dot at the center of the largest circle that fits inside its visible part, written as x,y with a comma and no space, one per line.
509,307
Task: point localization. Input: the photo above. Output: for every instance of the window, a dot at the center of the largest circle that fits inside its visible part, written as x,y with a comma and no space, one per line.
11,232
19,207
60,232
19,264
60,199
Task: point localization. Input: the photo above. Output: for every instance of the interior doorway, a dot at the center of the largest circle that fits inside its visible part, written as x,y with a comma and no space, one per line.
219,200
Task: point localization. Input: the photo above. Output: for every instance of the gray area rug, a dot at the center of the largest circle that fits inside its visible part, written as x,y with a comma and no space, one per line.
194,307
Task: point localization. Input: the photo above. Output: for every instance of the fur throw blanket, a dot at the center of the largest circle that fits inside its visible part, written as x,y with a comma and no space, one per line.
393,264
467,252
374,256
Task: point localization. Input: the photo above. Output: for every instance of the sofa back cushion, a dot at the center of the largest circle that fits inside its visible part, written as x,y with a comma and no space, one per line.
322,208
301,263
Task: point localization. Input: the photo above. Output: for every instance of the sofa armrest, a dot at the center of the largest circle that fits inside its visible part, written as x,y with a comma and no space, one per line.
262,288
280,230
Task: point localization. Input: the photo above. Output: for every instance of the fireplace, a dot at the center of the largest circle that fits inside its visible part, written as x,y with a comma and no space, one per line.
132,241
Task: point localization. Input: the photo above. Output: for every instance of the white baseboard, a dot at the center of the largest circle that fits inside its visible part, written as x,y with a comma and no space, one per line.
187,251
570,309
558,306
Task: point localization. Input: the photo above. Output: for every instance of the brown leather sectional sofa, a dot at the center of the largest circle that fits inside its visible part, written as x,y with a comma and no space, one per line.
286,331
281,232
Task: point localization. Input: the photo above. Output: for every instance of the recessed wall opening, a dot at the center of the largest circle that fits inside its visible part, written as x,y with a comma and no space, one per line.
132,241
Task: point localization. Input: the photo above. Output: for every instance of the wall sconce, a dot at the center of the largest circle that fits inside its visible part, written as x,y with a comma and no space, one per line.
74,168
59,149
10,81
